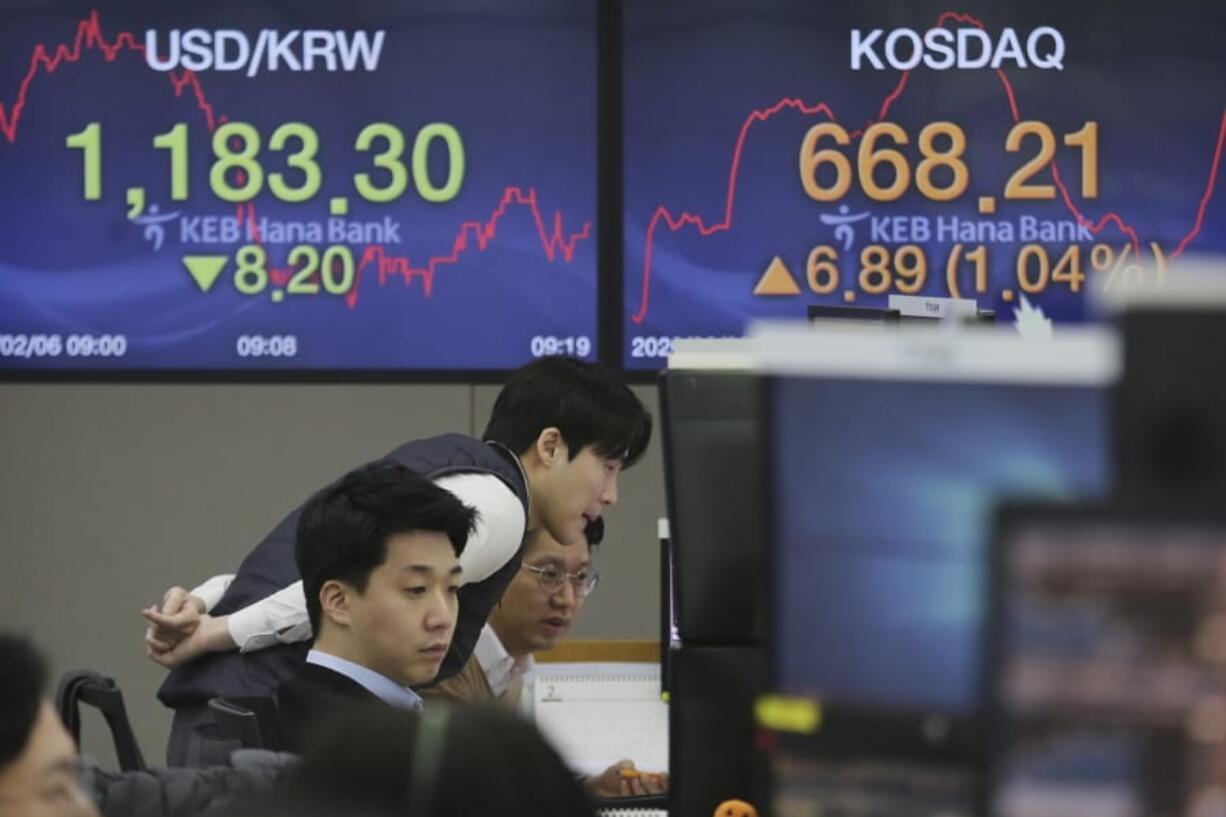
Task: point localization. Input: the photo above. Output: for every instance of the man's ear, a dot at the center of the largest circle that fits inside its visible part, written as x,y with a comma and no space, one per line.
334,601
550,446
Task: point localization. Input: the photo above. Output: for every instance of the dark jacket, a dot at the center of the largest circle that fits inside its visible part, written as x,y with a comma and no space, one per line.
185,792
271,566
311,696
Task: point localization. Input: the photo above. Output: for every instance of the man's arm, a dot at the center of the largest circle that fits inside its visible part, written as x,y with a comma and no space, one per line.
182,629
622,779
179,617
499,528
490,558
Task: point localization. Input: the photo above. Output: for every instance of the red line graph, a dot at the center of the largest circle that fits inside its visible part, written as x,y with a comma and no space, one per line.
481,233
89,36
662,215
478,232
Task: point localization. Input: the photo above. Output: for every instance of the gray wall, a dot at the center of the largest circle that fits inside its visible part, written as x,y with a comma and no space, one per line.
112,493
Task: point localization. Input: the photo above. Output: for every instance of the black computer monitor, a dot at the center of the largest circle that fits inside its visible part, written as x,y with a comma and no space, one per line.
1106,674
712,459
818,312
716,664
1171,431
887,452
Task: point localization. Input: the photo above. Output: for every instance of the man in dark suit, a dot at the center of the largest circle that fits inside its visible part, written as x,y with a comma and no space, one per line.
378,552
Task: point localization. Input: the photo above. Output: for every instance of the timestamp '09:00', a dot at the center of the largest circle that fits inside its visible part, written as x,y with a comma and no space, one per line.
53,345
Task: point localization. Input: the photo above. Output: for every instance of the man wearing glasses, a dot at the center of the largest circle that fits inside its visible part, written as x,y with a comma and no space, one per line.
540,606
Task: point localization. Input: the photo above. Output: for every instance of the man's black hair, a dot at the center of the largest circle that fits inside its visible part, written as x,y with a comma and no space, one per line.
23,676
594,531
343,530
589,404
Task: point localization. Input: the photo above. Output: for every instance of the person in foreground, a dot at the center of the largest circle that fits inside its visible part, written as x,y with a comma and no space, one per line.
379,557
540,606
42,776
444,762
38,760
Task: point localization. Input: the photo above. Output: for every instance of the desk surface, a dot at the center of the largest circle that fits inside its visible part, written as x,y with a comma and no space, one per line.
602,650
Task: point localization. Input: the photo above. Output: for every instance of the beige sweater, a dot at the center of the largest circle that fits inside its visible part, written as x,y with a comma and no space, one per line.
470,687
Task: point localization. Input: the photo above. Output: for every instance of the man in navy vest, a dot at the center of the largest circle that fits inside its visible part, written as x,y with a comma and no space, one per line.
560,433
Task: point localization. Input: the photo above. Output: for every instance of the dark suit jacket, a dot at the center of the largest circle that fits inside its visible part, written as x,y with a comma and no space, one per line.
311,696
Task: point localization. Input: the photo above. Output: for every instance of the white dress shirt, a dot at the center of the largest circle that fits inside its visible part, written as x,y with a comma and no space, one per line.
501,670
281,618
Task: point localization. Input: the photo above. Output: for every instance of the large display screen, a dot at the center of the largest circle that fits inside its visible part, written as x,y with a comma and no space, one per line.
301,186
799,152
1108,666
883,500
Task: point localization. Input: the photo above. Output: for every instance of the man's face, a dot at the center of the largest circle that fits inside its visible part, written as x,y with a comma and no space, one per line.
402,624
42,781
575,491
531,618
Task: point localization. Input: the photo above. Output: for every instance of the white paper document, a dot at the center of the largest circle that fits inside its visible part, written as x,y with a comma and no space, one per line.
598,714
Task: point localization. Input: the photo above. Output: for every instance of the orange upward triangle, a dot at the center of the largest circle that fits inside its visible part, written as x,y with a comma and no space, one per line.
777,280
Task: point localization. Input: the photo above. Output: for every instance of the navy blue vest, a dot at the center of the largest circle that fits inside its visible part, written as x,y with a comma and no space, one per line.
271,566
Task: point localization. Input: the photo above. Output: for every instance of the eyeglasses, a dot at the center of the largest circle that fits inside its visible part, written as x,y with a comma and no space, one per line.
551,579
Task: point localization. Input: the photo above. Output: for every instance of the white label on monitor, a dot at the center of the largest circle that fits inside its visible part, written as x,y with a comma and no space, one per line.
1087,355
922,306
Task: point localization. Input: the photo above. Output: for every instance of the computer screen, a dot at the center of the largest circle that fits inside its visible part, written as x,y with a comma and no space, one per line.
712,452
309,186
794,152
883,479
1109,643
1171,431
883,492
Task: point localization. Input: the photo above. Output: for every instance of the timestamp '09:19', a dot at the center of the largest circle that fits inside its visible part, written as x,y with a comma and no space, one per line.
546,345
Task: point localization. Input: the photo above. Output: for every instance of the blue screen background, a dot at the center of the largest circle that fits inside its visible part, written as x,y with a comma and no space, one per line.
883,495
702,74
517,81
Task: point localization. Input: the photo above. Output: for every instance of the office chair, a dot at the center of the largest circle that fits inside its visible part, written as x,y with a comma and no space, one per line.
249,720
83,686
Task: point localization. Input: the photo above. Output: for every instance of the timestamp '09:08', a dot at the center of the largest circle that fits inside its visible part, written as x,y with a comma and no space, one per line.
274,346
